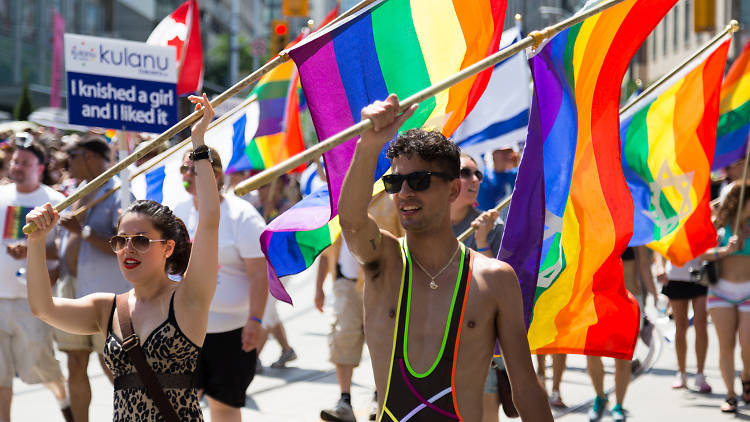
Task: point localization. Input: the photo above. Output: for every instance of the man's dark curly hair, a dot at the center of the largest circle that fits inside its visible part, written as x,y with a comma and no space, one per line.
429,145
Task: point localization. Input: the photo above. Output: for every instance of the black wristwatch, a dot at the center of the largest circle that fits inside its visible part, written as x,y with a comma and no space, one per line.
201,153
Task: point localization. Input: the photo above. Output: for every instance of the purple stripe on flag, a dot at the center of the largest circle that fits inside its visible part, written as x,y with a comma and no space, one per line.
319,74
730,147
521,246
301,218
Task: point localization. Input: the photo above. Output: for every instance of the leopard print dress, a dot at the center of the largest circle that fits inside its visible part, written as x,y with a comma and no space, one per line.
168,351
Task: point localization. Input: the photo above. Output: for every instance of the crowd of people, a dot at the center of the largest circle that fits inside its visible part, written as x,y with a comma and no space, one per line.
189,284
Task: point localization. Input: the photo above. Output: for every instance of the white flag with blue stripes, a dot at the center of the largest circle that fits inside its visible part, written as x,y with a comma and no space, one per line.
501,116
164,184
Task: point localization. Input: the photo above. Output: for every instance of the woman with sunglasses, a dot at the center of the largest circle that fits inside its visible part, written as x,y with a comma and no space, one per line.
168,318
488,229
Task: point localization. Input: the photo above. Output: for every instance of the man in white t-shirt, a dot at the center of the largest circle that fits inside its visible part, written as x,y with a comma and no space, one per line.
229,352
25,341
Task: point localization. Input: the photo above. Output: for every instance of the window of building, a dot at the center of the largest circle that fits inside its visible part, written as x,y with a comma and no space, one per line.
665,35
676,27
688,21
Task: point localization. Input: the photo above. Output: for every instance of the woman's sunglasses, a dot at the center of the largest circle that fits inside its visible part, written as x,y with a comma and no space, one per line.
139,242
466,173
418,180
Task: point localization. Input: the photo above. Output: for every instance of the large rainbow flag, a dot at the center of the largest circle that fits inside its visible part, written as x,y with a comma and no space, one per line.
571,214
392,46
734,118
668,141
279,132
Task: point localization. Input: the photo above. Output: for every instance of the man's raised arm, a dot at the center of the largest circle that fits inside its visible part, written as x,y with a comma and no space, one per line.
361,232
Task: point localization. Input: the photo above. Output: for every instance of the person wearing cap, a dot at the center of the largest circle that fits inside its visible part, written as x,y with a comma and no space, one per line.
88,263
25,341
500,180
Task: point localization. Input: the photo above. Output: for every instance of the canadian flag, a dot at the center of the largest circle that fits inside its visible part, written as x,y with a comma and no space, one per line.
182,30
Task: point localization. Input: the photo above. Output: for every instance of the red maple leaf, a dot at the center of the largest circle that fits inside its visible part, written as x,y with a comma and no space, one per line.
178,44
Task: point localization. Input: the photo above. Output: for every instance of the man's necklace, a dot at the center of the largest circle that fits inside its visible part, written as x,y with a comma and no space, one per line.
434,285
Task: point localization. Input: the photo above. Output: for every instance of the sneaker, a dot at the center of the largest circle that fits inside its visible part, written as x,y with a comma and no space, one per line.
680,380
555,400
286,356
701,385
597,410
342,412
618,413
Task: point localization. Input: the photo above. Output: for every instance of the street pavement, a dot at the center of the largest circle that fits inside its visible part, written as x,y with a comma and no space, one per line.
298,392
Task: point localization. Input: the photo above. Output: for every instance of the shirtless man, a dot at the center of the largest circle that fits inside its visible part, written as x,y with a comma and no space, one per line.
450,306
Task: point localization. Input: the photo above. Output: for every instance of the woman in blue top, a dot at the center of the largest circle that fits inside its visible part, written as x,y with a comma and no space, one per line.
729,299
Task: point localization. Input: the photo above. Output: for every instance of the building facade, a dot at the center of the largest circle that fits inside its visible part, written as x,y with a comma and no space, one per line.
675,39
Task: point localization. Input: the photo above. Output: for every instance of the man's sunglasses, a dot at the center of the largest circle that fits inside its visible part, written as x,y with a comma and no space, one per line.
466,173
139,242
418,180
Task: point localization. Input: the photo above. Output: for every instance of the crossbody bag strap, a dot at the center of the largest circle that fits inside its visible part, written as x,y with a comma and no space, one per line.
132,345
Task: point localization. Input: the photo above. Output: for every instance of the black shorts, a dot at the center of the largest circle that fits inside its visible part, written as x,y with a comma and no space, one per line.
225,370
676,289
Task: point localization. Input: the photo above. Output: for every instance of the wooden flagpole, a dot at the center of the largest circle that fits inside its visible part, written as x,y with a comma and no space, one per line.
186,122
534,39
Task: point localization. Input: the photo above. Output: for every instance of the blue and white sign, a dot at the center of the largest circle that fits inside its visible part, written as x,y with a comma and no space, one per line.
118,84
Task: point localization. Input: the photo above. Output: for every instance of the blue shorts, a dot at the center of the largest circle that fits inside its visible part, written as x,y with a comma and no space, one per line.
490,386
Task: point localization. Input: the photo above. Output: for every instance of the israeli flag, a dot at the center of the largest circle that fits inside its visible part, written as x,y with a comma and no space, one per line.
501,116
163,182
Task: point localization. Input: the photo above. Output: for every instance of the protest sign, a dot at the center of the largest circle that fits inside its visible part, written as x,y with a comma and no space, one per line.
120,84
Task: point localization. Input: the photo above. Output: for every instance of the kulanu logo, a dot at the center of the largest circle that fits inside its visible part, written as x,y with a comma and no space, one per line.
82,53
152,64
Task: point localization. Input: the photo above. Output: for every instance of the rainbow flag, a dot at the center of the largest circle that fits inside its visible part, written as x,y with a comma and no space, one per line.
734,113
279,134
668,140
399,46
291,252
15,219
571,214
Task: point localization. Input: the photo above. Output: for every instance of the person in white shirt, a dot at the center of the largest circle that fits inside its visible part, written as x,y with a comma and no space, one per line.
229,355
25,341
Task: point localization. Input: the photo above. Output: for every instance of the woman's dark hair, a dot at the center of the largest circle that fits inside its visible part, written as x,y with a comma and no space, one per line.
170,227
730,205
469,157
429,145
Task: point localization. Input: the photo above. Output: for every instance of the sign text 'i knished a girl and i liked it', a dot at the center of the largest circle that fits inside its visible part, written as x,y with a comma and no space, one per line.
120,84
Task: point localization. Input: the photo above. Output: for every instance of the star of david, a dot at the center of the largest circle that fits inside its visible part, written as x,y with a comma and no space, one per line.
553,225
681,183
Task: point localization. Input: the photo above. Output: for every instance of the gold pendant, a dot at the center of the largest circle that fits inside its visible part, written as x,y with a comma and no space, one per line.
433,285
